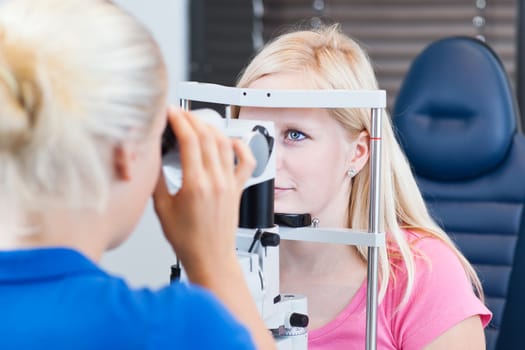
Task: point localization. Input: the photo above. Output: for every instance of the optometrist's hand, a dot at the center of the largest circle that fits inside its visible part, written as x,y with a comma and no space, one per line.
201,219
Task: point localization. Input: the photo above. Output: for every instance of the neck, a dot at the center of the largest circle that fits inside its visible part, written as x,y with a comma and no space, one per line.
314,256
334,215
81,230
319,259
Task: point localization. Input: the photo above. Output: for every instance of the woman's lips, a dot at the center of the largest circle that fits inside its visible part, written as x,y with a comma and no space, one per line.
280,190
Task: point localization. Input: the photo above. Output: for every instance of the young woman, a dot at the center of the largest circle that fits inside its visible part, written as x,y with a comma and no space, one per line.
82,110
427,288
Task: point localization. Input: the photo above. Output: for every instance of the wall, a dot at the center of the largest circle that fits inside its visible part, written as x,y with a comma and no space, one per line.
144,259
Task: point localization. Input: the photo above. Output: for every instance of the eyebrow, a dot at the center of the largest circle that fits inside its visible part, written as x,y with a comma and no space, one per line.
300,125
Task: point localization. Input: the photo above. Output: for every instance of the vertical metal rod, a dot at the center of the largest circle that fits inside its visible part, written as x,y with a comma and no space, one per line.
373,228
185,104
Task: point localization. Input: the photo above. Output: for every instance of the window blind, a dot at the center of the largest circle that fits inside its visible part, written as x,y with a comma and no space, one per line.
394,31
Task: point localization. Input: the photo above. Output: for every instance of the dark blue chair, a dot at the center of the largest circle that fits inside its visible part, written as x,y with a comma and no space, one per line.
456,118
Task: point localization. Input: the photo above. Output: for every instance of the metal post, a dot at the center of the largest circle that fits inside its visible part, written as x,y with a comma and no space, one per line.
373,228
185,104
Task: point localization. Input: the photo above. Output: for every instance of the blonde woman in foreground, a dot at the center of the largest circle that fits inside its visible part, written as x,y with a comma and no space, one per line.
82,111
428,289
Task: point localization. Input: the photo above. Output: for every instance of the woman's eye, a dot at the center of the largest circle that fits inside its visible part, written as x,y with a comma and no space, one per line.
295,135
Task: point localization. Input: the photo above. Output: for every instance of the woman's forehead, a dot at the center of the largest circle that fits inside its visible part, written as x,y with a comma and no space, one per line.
301,118
283,81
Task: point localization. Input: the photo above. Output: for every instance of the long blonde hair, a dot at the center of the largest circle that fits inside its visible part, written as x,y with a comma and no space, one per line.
331,60
75,77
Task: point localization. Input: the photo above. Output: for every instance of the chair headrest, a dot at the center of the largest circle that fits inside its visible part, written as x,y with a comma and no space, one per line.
455,114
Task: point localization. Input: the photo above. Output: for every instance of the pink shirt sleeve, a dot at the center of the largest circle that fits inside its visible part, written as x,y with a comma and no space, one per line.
442,297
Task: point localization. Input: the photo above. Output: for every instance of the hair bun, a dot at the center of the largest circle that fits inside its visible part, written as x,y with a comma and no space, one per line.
19,99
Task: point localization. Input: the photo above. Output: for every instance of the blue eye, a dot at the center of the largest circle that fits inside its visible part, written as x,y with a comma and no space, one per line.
295,135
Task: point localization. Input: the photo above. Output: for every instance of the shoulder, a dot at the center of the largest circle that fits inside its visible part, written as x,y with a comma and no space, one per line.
438,263
441,297
182,313
438,269
433,261
85,301
175,315
435,257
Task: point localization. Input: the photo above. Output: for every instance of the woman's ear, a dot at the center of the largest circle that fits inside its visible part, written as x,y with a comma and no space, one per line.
360,152
123,156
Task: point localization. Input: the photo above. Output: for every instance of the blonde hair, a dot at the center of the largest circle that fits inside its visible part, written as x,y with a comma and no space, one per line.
331,60
75,77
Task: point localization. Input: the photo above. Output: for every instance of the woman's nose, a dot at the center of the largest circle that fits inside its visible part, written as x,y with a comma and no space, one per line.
279,156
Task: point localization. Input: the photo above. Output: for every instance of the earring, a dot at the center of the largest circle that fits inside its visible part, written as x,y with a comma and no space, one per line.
351,173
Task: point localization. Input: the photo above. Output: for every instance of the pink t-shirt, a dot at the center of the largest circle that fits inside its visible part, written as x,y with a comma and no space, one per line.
441,298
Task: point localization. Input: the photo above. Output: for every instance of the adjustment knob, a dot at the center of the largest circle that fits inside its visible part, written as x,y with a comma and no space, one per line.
270,239
298,320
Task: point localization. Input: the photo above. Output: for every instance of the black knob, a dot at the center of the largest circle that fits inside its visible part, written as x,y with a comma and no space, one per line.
175,273
270,239
298,320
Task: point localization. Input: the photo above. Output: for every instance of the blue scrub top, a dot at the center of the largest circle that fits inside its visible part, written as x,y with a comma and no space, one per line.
56,299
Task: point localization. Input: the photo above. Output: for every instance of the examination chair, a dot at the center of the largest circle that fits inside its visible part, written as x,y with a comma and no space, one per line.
456,118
